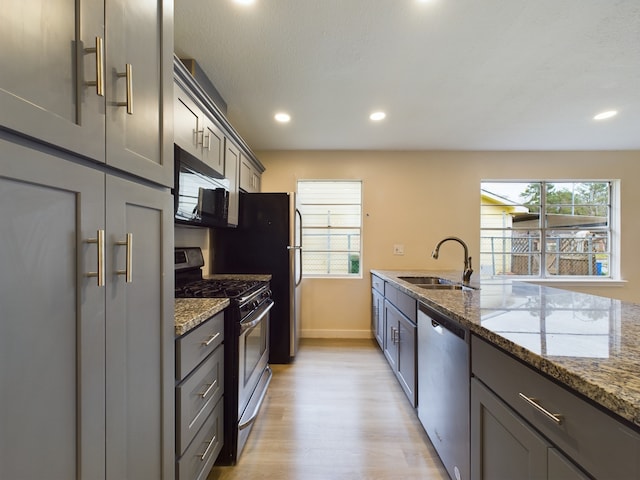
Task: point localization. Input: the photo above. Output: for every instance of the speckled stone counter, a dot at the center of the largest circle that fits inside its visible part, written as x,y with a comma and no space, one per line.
240,276
191,312
590,344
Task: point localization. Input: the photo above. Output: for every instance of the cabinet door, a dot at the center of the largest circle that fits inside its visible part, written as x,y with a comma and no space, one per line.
51,318
213,147
377,317
231,170
502,445
391,335
561,468
139,332
407,358
139,88
187,122
43,82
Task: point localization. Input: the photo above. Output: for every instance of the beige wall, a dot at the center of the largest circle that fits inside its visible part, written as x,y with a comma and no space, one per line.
417,198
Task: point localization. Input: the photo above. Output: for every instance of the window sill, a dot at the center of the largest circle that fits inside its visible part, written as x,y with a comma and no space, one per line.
583,282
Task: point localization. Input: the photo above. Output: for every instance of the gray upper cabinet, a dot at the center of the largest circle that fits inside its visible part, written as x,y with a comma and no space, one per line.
195,133
231,172
94,81
139,88
45,89
250,175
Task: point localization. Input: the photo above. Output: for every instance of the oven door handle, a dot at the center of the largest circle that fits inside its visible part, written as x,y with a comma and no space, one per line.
244,326
257,404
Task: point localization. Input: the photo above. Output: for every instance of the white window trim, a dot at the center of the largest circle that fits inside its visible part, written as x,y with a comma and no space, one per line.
339,276
614,279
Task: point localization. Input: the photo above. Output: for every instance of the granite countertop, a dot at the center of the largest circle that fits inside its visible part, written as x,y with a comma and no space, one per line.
589,343
191,312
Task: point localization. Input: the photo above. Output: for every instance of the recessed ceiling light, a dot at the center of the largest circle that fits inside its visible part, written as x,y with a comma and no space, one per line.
282,117
607,114
377,116
244,2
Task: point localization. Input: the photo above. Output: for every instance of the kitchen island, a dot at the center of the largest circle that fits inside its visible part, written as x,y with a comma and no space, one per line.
578,353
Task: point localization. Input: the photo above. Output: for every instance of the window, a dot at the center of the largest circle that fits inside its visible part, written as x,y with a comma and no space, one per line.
545,229
331,227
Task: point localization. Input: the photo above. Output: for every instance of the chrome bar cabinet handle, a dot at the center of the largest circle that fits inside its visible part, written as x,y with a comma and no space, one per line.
206,450
555,417
210,339
128,271
99,240
128,74
208,390
99,51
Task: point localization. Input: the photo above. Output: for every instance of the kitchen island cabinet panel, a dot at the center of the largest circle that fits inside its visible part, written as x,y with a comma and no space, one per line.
502,445
52,384
599,443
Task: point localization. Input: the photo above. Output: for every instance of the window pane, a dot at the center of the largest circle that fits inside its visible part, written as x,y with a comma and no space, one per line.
575,226
331,226
325,263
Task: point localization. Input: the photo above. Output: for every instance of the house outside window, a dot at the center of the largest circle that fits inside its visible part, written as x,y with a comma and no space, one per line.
548,229
331,227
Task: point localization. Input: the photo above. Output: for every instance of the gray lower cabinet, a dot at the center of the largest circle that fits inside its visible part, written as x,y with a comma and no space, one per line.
399,343
86,330
551,434
377,309
92,77
505,447
199,398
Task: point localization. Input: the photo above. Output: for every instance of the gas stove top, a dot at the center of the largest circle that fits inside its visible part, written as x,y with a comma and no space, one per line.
217,288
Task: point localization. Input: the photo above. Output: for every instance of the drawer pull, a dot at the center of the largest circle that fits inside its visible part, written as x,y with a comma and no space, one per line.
555,417
208,390
210,339
206,450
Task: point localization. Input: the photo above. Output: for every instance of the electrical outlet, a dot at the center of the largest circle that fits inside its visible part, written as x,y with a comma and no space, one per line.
398,249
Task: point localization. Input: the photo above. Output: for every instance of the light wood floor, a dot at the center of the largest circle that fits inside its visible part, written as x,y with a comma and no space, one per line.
336,413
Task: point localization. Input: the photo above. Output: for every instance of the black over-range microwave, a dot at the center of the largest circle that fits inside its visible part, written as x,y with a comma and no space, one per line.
200,194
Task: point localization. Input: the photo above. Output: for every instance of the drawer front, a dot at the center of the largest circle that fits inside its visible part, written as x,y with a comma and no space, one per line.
197,461
196,396
196,345
403,302
599,443
377,284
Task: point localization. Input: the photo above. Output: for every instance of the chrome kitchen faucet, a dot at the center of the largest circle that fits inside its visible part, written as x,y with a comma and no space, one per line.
466,274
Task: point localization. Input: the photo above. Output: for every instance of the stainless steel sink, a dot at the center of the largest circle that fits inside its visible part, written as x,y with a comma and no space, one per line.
435,283
426,280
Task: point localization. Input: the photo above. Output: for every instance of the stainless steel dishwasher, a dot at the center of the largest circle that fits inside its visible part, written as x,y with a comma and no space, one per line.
443,388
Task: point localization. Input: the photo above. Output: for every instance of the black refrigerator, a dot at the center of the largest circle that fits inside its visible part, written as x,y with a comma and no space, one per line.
268,240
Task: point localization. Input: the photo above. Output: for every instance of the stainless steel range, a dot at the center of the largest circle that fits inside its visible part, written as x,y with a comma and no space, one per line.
246,345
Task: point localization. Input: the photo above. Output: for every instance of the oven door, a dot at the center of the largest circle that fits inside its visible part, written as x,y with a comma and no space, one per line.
253,352
254,373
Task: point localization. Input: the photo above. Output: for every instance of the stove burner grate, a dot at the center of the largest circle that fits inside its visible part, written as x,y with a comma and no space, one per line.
214,288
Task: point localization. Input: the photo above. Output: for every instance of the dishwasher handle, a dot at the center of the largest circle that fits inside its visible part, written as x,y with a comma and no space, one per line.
439,322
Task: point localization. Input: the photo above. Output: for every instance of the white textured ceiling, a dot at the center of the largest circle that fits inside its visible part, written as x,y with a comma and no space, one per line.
451,74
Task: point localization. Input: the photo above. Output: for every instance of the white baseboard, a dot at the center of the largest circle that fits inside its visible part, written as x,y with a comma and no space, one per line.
308,333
